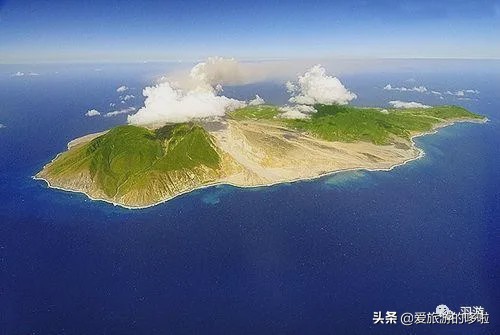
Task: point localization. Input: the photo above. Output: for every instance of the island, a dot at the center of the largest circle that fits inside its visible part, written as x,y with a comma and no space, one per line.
138,167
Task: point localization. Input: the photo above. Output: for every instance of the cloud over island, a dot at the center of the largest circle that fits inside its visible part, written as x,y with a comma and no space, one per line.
316,87
296,111
256,101
198,93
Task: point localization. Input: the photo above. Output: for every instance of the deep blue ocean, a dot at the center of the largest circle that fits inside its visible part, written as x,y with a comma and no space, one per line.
312,257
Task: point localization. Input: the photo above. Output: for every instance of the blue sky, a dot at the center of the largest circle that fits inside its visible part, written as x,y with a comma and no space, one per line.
94,31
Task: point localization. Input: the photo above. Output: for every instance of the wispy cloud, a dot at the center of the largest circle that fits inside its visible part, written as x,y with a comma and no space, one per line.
127,97
405,104
2,126
121,111
121,89
462,93
420,89
423,89
472,91
24,74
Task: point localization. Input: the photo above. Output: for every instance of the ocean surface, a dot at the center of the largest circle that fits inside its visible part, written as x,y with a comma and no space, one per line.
311,257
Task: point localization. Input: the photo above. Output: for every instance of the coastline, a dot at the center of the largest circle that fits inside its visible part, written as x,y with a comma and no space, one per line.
419,155
85,138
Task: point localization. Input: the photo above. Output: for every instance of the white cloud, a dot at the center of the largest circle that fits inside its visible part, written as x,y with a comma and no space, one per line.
121,111
197,94
23,74
423,89
2,126
256,101
165,103
296,111
461,93
404,104
420,89
290,87
127,97
92,112
192,96
315,86
112,104
472,91
122,88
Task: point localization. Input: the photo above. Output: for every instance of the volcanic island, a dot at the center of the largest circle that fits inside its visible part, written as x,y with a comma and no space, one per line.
137,167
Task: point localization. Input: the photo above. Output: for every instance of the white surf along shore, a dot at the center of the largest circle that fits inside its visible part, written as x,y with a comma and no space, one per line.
257,163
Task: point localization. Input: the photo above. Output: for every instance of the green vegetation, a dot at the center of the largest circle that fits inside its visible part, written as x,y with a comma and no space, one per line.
138,166
128,153
348,123
187,146
261,112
